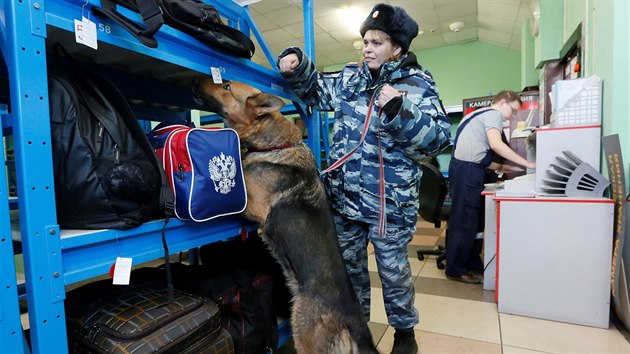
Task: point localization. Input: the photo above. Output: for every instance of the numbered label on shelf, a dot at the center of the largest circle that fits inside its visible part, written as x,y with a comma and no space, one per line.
85,33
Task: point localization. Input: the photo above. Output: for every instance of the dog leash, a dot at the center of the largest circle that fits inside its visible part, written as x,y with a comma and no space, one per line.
382,215
366,126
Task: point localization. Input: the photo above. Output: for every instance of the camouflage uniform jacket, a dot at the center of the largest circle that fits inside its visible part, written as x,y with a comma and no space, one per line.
415,130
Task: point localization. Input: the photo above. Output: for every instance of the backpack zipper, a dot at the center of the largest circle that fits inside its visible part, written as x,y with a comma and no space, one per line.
180,173
116,155
99,140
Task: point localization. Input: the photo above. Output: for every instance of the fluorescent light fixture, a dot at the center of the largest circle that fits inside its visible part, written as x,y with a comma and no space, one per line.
352,18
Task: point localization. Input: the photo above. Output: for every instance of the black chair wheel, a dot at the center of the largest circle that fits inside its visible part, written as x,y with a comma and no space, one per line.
421,257
440,265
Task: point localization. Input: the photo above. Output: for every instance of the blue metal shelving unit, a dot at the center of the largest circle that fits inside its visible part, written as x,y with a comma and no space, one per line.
54,258
11,335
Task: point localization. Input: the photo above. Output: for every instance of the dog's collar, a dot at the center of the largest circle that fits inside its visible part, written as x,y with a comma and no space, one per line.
273,148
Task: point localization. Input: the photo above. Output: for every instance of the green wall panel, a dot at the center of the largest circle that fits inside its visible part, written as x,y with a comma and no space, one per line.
529,73
550,37
608,53
472,69
575,12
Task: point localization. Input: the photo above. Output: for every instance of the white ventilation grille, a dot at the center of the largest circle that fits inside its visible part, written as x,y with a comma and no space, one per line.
572,177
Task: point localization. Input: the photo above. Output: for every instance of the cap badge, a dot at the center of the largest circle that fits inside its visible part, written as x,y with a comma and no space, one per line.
375,14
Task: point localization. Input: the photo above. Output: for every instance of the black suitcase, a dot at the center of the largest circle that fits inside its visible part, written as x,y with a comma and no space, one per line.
103,318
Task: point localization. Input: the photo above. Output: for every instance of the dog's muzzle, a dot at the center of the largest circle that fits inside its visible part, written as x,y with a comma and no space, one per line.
208,103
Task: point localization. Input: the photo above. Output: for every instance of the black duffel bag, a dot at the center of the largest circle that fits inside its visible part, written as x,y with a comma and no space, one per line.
194,17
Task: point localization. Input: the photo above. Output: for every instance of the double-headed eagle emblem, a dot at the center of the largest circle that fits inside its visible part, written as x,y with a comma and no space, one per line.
222,172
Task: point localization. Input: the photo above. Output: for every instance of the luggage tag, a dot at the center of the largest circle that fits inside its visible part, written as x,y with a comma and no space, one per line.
121,271
216,75
85,32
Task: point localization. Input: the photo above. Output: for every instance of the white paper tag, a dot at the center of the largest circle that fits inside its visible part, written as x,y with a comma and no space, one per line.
122,271
216,75
85,33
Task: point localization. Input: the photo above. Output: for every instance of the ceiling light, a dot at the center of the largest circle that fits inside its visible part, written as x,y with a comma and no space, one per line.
456,26
357,45
352,17
421,32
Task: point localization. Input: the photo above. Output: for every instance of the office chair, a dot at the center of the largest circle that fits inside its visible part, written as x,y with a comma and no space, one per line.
433,192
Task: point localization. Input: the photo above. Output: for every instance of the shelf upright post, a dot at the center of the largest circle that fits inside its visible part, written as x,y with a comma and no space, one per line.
11,334
24,50
313,119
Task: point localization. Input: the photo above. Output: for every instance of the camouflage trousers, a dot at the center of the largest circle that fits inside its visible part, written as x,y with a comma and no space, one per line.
392,263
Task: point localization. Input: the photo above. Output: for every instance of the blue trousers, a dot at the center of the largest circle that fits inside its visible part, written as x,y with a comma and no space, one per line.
392,261
466,217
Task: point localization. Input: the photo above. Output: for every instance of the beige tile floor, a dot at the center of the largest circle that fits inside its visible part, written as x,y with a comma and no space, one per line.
463,318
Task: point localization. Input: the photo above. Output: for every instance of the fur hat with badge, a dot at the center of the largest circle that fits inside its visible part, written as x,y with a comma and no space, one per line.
394,21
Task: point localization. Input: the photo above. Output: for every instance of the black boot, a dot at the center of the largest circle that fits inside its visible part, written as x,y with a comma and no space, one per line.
405,342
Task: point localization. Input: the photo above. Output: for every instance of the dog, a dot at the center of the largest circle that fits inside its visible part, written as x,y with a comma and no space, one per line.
286,197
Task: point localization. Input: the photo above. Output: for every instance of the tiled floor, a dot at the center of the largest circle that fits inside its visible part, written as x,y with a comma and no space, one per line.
463,318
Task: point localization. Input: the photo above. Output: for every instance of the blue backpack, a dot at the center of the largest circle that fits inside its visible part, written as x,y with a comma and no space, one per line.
203,167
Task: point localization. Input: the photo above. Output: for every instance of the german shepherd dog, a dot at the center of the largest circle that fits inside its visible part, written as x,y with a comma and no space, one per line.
286,197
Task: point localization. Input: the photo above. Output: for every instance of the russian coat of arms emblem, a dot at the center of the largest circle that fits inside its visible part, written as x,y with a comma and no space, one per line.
222,172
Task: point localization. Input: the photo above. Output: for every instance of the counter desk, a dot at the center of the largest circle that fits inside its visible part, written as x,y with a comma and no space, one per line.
550,257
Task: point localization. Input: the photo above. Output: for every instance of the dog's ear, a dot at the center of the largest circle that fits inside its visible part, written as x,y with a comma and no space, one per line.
264,103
